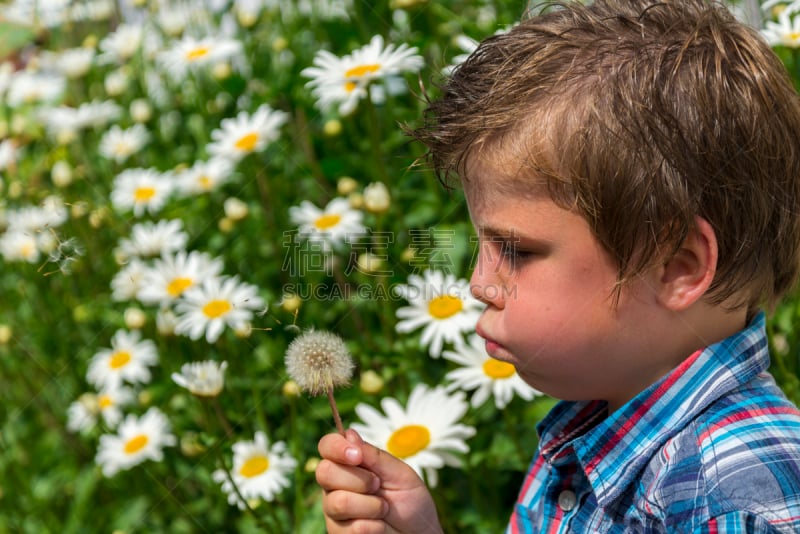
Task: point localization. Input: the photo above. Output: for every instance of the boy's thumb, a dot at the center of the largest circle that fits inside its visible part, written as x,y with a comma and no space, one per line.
393,472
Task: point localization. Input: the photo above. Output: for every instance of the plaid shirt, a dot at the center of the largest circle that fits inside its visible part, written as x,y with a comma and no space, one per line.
712,447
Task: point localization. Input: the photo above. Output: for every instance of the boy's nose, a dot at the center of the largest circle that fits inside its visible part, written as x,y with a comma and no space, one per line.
485,285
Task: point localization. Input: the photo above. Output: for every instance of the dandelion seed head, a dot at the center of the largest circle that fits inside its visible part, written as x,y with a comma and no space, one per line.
319,361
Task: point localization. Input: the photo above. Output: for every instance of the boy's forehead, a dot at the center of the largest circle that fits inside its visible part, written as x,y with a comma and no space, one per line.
492,172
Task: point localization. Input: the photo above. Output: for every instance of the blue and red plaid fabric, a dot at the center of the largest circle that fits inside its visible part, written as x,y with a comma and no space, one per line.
712,447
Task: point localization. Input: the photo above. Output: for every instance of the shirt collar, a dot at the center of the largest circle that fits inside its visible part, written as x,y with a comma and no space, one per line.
613,452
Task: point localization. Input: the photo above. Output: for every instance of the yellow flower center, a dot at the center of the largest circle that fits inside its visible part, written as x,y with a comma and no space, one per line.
143,194
217,308
327,221
444,306
204,182
178,286
254,466
104,401
247,143
122,148
360,71
27,250
408,440
197,53
497,369
136,444
119,359
792,38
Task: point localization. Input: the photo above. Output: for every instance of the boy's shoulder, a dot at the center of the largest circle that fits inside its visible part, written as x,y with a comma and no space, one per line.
741,455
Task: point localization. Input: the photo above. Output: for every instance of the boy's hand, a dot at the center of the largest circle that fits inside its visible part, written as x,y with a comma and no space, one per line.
367,490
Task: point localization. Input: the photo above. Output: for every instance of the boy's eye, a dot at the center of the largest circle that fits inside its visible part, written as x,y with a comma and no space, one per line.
511,250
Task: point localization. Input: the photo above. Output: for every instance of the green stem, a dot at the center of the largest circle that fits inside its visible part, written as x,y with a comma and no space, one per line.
299,505
373,125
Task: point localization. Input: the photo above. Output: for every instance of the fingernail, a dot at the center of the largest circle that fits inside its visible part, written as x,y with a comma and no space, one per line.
353,437
352,454
384,508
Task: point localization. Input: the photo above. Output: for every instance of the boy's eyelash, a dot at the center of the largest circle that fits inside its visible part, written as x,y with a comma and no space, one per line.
511,250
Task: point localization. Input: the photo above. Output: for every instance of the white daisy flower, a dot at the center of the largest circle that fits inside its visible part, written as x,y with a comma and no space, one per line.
65,119
8,154
468,45
7,71
173,19
171,275
344,80
338,223
149,239
121,44
19,245
440,303
323,9
166,321
205,176
247,10
95,10
117,81
260,471
120,144
98,113
784,32
424,434
111,401
775,7
485,375
208,308
50,214
47,13
34,88
129,359
141,190
126,284
244,134
137,439
204,379
83,413
75,63
330,87
190,53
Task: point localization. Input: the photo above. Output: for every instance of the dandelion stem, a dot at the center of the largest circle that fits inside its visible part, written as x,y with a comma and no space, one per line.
336,417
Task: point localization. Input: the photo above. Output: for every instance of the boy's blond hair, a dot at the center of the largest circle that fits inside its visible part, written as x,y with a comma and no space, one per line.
640,115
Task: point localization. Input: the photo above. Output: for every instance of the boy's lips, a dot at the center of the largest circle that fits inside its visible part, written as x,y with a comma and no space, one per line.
493,347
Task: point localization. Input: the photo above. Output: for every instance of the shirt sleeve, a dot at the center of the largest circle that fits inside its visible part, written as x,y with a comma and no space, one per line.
738,522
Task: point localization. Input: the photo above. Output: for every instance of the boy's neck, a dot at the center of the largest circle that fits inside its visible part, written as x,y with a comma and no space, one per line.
683,334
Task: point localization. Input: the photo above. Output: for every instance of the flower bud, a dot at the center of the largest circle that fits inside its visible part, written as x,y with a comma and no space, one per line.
346,185
371,382
376,197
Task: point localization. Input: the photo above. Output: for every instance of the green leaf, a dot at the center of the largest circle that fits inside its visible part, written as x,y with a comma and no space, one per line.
14,37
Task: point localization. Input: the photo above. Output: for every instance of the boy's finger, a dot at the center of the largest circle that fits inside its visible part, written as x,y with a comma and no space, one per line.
334,476
336,448
344,506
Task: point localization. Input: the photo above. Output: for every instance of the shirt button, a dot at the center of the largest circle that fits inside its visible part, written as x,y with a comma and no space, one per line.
567,500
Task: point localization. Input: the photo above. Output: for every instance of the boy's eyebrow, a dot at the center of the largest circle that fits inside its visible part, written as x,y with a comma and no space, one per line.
510,234
492,231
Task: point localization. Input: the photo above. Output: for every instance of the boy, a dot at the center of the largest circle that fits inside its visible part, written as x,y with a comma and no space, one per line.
632,169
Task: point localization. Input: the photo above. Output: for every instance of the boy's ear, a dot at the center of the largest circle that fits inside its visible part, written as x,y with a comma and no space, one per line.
687,275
